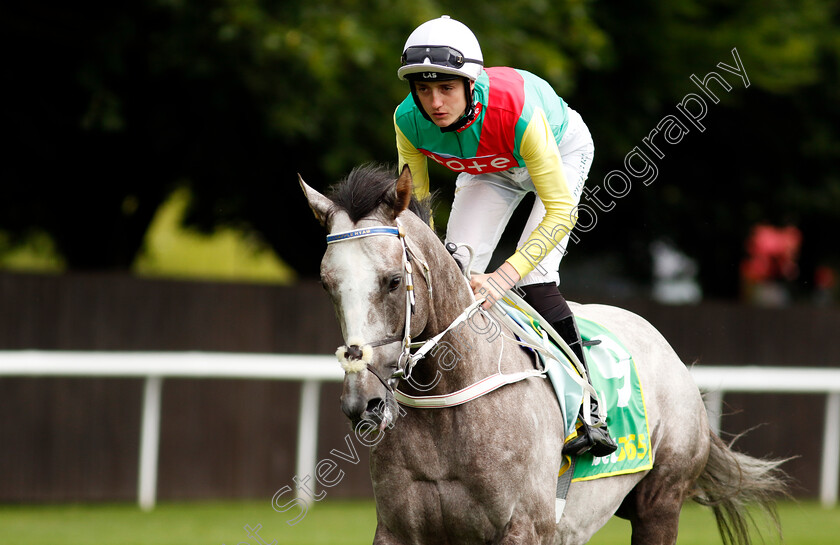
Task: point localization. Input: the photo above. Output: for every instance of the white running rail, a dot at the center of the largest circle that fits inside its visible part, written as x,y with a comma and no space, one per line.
312,370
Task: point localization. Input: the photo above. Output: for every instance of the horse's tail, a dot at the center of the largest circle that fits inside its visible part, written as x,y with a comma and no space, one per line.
731,482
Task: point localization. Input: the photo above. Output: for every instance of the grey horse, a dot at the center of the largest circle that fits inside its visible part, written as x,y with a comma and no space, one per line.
485,471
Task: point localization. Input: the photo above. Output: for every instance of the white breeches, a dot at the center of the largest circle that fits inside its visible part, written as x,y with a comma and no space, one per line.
484,203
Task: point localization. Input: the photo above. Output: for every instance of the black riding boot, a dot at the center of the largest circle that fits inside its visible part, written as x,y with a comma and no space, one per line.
595,438
547,300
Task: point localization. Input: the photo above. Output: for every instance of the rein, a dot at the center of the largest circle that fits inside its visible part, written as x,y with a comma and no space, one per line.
362,352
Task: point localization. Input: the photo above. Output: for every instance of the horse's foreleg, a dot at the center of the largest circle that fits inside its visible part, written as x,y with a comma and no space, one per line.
383,536
524,530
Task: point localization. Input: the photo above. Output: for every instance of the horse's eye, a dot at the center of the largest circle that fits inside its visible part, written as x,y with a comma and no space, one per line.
395,282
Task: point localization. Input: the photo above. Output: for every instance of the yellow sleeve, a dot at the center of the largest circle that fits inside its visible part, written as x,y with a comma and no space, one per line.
539,151
408,155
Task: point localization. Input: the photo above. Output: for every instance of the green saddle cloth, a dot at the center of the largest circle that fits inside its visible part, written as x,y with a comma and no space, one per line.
615,378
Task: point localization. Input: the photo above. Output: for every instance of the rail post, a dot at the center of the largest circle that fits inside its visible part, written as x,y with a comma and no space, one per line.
149,443
307,444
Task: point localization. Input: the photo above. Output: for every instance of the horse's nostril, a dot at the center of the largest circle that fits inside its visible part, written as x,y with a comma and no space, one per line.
374,405
353,352
356,410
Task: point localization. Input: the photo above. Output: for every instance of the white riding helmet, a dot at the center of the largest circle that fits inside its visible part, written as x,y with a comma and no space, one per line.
441,46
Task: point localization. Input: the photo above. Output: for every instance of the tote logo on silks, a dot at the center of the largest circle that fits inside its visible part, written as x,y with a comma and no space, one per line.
474,165
615,378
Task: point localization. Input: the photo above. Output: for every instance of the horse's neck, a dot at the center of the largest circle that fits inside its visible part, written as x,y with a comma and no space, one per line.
450,291
470,351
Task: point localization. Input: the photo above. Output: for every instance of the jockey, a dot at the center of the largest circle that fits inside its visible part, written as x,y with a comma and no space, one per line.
506,133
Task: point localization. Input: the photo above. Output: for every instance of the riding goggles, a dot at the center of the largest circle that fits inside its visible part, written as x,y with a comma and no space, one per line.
439,55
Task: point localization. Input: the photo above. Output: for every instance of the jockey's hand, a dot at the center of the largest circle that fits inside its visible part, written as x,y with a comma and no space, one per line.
493,286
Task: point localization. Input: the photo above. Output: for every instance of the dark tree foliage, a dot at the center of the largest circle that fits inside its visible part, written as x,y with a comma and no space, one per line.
108,106
765,152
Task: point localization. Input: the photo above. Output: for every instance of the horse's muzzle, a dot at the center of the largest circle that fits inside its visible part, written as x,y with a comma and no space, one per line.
376,411
357,409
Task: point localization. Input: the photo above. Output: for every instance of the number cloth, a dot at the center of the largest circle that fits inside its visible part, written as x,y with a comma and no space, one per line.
616,380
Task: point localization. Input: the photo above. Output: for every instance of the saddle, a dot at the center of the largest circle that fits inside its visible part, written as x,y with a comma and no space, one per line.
615,382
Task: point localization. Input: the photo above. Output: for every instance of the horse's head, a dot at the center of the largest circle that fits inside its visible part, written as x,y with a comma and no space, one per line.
367,272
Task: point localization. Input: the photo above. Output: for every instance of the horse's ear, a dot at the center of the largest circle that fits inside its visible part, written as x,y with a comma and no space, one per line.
319,204
403,191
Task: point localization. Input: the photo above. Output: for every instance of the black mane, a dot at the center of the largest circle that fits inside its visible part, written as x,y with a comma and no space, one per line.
367,187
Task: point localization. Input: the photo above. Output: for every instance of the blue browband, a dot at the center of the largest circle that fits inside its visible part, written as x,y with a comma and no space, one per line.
366,232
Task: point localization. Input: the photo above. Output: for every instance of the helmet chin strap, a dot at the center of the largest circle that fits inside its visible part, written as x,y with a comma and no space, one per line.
469,113
417,101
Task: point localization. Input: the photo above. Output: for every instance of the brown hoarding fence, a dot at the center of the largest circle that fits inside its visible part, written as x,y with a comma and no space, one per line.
76,439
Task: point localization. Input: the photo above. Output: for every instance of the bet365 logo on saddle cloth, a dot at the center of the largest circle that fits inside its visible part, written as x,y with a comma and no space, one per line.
616,380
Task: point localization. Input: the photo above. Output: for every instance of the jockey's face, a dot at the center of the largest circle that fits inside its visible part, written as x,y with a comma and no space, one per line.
444,101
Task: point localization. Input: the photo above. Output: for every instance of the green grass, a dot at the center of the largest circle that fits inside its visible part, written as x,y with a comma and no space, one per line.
803,523
216,523
331,523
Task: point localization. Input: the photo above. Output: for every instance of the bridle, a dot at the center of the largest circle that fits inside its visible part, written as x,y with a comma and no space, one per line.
362,352
406,360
